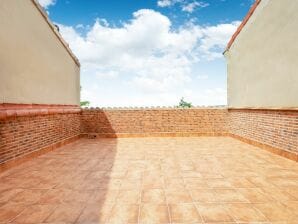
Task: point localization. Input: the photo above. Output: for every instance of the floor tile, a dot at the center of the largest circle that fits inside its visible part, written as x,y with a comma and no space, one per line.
9,211
174,183
218,183
34,214
274,211
65,213
177,196
293,191
292,207
278,194
7,194
129,196
191,174
156,196
96,213
245,213
54,196
184,213
228,195
153,183
28,196
254,195
101,196
241,182
194,183
203,195
131,184
154,213
214,213
124,213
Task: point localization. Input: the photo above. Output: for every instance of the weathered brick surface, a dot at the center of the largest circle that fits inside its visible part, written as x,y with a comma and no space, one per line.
22,135
140,121
278,129
275,128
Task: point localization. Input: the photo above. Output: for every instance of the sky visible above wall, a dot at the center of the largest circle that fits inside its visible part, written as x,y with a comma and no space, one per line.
149,52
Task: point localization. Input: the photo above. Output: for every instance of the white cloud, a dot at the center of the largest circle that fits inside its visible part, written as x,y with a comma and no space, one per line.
216,38
190,7
147,52
80,26
107,74
185,5
165,3
46,3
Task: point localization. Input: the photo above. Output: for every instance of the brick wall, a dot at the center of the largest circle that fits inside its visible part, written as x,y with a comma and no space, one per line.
155,121
26,134
27,131
275,128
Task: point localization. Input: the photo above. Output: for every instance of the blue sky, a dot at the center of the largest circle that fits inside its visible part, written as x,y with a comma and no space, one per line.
149,52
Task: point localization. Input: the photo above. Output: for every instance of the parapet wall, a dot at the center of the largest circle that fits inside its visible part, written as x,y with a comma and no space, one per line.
29,130
154,122
275,130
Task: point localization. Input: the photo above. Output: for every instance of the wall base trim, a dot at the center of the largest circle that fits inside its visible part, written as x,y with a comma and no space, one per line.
281,152
19,160
286,154
153,134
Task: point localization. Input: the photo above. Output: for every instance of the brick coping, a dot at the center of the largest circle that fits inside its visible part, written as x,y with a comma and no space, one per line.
4,106
9,110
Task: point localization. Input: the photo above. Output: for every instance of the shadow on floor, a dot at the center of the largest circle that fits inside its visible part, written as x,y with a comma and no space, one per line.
77,183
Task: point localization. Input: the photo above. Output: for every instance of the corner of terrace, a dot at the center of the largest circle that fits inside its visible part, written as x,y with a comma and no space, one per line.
60,163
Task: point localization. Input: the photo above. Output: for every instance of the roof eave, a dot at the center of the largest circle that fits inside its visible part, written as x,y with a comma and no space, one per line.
54,29
241,26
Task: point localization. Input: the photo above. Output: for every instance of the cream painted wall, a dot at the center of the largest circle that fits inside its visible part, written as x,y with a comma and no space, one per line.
35,67
263,60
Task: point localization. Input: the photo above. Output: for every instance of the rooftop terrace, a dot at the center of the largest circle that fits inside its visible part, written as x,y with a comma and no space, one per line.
152,180
63,164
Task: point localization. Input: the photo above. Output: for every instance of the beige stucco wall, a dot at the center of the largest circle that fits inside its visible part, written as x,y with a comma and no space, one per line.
35,67
263,61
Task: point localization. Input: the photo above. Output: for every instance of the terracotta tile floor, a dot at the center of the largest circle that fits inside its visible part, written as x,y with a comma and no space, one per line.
152,180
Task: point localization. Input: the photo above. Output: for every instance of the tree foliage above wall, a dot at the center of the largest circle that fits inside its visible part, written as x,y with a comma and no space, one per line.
84,103
184,104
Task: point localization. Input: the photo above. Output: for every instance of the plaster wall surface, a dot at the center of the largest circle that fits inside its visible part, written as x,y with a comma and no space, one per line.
263,60
35,67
